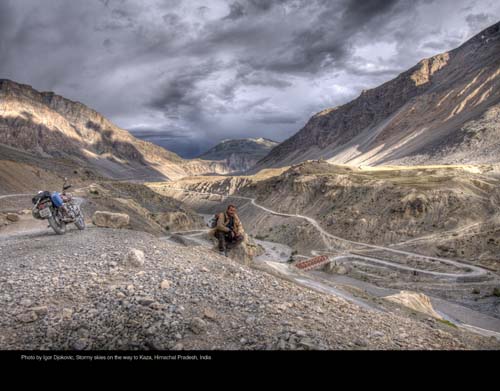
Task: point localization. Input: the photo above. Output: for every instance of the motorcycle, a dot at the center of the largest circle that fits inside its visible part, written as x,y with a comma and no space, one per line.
59,209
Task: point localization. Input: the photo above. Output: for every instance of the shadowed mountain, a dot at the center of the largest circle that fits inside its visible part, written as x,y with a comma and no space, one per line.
48,125
240,154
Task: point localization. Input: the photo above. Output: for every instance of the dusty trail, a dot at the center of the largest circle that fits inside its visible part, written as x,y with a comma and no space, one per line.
473,273
439,234
14,195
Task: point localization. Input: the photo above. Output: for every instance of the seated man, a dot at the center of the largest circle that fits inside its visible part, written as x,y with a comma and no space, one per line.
229,230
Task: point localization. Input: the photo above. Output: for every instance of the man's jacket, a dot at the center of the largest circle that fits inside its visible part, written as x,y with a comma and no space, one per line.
223,220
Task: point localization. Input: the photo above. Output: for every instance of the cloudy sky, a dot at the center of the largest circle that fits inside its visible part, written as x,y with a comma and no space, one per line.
188,73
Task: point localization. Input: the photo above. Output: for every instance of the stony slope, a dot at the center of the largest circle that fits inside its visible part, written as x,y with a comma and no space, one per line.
239,155
24,172
86,297
443,110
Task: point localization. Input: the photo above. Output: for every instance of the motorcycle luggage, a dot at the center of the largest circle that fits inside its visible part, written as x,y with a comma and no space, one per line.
213,221
40,196
57,200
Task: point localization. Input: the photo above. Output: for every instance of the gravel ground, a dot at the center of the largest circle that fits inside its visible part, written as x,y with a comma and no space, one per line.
78,291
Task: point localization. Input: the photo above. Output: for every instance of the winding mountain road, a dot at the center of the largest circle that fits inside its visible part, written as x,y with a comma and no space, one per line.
473,273
14,195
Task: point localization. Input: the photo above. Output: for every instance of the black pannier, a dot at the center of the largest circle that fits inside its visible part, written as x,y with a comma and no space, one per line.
40,196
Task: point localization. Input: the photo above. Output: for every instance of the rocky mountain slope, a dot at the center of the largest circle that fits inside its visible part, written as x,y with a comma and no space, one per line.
22,172
239,154
93,297
446,109
50,126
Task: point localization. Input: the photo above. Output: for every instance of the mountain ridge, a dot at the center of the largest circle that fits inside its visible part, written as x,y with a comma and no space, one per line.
404,119
50,125
239,154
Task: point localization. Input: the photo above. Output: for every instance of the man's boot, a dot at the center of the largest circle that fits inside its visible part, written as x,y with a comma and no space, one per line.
221,243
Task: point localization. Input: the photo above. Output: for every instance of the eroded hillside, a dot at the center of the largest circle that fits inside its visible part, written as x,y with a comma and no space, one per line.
455,207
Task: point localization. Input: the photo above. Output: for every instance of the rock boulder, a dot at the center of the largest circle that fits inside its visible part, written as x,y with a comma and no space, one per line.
415,301
244,253
110,220
12,217
134,258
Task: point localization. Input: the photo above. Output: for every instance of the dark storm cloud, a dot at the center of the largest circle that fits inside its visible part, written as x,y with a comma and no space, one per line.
186,74
441,45
477,22
236,11
271,118
6,27
176,140
361,11
179,96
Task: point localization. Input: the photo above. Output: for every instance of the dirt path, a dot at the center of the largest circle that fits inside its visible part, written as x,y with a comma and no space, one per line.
14,195
474,273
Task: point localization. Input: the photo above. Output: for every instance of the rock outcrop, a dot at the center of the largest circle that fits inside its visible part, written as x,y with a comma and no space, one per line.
446,109
110,220
134,258
415,301
243,253
178,221
12,217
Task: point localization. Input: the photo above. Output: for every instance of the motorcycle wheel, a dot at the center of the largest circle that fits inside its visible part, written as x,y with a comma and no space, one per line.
58,226
80,223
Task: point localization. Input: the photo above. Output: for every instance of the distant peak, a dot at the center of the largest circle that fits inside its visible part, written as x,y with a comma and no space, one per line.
248,139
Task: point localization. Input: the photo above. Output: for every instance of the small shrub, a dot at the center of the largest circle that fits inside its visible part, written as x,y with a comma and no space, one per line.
448,323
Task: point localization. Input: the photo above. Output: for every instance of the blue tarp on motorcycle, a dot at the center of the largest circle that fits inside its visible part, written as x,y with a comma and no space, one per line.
56,199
